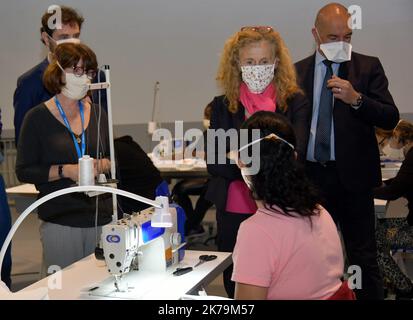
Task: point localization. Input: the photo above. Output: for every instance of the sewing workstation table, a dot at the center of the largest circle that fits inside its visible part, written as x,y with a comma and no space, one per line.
23,200
25,194
171,172
22,196
389,169
88,273
76,280
384,208
171,169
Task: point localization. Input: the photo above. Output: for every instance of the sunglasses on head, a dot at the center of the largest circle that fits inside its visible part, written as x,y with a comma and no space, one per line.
260,29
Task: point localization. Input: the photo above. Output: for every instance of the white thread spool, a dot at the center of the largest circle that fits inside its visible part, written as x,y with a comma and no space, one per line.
86,172
102,178
151,127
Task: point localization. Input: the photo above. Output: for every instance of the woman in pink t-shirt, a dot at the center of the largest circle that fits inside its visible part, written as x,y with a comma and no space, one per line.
255,73
290,249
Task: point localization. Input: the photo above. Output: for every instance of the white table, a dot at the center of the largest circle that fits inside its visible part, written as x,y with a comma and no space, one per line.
23,190
390,169
178,169
23,196
380,208
77,279
26,194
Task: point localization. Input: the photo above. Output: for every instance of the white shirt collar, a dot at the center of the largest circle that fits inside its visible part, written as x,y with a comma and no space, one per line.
319,58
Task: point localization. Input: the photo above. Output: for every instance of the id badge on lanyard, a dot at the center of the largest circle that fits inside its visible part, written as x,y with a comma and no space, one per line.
80,151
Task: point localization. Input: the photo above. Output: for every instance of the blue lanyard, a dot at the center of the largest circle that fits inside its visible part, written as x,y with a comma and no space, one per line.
82,117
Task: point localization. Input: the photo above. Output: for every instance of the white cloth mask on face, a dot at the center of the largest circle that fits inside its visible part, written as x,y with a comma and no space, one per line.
76,87
338,52
258,78
68,40
393,153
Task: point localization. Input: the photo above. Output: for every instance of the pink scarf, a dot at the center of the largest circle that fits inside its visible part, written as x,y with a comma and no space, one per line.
265,101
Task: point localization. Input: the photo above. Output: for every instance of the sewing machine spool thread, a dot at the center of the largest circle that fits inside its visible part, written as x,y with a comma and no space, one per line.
151,127
86,172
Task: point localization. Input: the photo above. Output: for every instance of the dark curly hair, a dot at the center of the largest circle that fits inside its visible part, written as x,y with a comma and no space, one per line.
280,181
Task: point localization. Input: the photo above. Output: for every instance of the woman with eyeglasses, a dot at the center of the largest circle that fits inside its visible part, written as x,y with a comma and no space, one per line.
383,138
256,74
54,136
290,248
397,232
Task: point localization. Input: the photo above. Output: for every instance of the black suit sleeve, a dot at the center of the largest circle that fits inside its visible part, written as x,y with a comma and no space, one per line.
378,107
399,185
29,166
299,115
225,170
23,100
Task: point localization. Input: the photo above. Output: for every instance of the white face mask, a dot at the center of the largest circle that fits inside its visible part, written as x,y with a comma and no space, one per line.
258,78
76,87
206,123
69,40
393,153
338,52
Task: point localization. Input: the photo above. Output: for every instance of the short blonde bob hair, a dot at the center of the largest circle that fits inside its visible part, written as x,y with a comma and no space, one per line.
229,72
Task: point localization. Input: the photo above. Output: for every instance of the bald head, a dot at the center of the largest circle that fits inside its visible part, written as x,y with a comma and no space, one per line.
331,12
332,24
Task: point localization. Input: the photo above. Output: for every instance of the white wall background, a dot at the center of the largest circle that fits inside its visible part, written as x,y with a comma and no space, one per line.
178,42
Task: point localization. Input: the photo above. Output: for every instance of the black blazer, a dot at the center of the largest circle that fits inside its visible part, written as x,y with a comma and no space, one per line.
298,112
136,173
357,154
400,186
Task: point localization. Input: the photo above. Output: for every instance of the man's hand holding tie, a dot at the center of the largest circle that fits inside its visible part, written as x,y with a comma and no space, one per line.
343,90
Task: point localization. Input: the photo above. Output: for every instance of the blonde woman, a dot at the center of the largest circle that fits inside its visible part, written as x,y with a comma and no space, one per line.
255,74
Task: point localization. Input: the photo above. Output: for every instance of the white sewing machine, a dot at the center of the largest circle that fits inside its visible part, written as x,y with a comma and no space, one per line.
133,244
153,237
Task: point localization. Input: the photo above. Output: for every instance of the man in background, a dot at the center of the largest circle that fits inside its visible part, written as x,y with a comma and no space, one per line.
30,90
350,96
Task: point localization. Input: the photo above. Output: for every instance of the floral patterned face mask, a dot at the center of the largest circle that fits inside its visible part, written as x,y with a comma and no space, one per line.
258,77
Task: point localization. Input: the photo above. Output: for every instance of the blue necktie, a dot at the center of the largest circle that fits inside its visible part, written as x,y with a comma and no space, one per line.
322,151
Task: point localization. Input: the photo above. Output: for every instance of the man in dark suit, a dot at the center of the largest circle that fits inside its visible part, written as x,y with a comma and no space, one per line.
350,96
30,90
